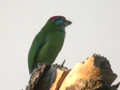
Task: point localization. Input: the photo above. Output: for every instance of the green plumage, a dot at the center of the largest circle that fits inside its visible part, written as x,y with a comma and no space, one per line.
46,45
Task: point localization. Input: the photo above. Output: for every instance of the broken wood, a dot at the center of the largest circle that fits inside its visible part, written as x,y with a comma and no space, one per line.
94,73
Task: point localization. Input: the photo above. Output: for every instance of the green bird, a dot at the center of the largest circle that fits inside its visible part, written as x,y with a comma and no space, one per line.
48,42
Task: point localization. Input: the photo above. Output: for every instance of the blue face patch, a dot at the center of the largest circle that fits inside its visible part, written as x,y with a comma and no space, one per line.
59,22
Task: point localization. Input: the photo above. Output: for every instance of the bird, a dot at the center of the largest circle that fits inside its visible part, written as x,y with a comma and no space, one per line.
48,42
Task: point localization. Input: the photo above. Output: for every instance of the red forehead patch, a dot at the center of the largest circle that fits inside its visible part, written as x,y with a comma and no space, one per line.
54,17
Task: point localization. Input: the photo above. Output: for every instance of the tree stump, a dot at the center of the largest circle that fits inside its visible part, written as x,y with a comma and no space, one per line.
94,73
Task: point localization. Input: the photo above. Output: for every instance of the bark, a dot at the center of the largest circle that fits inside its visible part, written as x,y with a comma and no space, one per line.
94,73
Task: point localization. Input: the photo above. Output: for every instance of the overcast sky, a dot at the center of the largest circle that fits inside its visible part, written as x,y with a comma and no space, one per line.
95,29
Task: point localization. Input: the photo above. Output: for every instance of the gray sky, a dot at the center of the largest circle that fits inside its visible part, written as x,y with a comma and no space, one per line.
95,29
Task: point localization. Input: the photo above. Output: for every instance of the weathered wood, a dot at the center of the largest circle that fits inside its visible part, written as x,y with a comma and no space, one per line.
88,75
35,77
47,79
94,73
60,76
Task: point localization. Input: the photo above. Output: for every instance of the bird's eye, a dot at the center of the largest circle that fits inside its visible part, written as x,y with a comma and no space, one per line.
63,19
59,21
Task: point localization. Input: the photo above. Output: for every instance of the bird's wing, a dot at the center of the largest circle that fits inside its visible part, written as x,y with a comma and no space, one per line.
37,44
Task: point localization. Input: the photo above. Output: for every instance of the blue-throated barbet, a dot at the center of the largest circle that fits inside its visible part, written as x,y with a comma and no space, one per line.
48,42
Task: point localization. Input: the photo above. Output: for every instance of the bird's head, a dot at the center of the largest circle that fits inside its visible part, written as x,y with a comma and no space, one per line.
60,21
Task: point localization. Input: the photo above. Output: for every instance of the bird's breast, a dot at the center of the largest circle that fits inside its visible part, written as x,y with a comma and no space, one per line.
56,38
52,47
55,41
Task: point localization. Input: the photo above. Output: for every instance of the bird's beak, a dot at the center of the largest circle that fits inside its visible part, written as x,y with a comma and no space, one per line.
67,22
